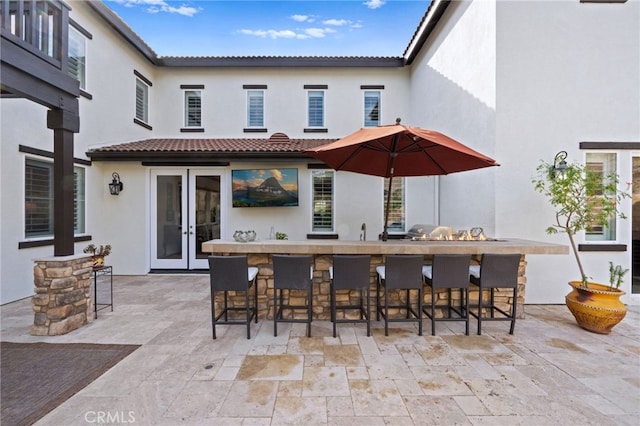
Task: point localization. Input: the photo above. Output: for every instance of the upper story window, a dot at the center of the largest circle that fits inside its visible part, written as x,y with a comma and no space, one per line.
315,108
193,108
255,108
142,101
602,164
371,108
76,65
322,202
397,220
38,201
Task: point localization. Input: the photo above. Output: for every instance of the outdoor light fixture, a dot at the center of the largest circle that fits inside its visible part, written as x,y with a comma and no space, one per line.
115,187
559,164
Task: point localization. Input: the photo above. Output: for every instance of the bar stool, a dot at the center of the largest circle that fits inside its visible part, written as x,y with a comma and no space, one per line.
351,273
496,271
448,271
400,272
231,273
291,273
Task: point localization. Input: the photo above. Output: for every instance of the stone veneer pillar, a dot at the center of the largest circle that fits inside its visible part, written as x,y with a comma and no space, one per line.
63,300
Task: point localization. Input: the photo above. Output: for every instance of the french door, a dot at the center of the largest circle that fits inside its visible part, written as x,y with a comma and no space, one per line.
185,212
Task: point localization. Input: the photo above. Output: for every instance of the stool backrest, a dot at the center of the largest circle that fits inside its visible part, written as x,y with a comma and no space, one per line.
228,273
403,271
450,270
499,270
351,272
291,271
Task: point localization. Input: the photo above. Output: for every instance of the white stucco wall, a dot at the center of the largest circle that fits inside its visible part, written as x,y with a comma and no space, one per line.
453,91
567,72
224,101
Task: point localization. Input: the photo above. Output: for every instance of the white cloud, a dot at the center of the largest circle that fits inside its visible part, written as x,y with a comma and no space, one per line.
157,6
336,22
303,18
274,34
316,32
374,4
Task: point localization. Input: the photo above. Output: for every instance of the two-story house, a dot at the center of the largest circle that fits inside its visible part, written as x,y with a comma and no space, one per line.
518,81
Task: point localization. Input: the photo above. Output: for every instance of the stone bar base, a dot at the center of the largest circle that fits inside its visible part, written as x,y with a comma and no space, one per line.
63,300
321,291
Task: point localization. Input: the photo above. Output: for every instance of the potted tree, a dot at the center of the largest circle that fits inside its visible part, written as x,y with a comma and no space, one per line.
98,254
584,199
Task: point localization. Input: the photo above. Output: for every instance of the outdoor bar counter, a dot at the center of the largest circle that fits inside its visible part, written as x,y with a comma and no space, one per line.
259,255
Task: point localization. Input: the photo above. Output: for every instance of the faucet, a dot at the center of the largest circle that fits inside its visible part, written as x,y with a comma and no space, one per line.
363,232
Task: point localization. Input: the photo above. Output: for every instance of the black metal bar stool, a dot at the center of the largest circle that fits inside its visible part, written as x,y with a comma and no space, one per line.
351,273
448,271
291,273
400,272
231,273
494,272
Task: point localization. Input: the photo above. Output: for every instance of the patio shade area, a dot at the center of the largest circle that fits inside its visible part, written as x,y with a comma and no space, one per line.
549,372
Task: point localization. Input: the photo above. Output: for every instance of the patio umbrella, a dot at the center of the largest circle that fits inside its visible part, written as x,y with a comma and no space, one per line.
398,150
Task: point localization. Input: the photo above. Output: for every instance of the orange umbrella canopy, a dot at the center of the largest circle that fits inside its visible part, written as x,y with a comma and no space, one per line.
399,150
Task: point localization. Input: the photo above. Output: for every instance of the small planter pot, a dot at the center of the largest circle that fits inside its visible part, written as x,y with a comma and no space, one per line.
98,261
596,308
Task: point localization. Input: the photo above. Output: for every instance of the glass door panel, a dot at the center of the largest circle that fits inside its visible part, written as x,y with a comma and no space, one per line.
169,234
204,214
635,228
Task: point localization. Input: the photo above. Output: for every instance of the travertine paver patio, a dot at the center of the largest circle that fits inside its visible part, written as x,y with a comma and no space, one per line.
549,372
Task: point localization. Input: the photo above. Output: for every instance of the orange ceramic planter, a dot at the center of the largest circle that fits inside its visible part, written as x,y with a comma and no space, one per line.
596,308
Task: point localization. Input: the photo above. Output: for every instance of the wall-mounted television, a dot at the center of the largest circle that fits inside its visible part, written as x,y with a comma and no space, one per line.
264,187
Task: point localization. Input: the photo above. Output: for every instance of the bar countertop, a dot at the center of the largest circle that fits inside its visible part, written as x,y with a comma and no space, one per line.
502,245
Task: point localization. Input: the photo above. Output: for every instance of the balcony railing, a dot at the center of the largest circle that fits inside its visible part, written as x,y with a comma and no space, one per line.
37,26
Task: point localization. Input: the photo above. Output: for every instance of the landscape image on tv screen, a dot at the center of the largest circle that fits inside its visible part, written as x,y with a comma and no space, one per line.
264,187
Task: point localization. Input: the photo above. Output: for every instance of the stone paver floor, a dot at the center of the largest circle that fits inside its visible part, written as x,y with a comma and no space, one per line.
549,372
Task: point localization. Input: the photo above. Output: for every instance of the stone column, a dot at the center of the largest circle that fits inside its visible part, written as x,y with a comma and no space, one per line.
63,301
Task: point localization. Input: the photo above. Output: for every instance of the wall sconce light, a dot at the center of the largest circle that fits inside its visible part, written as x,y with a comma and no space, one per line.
559,164
115,187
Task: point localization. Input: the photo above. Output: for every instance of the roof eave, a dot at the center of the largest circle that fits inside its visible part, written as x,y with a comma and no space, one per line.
204,156
281,61
432,17
124,30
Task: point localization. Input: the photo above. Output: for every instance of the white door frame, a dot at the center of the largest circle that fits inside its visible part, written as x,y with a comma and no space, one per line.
185,236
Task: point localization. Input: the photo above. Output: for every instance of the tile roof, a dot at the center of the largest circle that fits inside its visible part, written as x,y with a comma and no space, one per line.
278,143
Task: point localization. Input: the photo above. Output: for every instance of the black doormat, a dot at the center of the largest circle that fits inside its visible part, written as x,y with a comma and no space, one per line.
37,377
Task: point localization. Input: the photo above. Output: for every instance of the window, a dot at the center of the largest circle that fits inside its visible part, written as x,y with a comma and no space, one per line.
396,204
142,101
316,108
193,108
76,67
371,109
602,164
38,203
322,200
255,108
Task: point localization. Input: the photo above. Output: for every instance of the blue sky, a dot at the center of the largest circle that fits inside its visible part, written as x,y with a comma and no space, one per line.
273,28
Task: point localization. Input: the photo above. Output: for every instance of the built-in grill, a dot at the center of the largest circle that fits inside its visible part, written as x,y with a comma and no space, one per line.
422,232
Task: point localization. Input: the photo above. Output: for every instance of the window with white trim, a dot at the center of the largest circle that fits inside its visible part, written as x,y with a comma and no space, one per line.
255,108
602,164
315,108
38,201
76,65
322,202
396,221
193,108
142,101
371,108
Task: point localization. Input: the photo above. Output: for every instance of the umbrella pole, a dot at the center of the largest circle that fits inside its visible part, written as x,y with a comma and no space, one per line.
385,233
